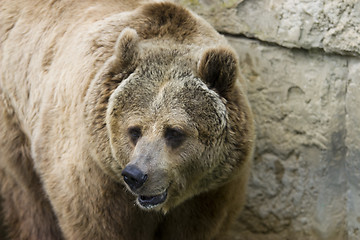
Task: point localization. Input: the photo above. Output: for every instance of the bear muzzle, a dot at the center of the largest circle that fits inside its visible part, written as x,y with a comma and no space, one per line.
135,179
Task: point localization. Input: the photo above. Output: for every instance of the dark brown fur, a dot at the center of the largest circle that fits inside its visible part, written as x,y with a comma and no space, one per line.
75,75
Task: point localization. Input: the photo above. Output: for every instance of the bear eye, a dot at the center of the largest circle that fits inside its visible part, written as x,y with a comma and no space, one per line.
174,137
134,134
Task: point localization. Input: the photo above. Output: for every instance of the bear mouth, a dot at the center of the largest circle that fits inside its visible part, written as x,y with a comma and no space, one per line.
149,202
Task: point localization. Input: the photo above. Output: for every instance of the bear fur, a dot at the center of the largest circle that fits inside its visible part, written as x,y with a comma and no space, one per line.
89,88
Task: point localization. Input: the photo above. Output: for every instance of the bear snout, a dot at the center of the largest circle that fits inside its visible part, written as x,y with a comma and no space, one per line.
134,177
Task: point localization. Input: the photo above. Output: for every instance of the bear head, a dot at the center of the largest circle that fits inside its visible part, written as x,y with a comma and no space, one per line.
177,125
166,114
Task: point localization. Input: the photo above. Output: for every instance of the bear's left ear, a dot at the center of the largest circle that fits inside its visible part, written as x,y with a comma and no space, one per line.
126,46
218,68
125,52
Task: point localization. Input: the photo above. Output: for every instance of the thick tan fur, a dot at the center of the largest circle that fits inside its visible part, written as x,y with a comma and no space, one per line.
74,76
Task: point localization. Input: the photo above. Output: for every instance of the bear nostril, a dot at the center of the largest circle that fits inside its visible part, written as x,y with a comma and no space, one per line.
134,177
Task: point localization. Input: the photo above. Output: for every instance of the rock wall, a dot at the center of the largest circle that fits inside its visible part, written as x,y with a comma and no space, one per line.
301,60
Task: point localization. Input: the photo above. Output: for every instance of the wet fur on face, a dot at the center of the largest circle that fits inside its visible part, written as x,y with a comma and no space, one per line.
170,91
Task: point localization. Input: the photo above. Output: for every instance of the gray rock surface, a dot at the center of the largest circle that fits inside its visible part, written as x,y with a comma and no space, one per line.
301,60
331,25
304,183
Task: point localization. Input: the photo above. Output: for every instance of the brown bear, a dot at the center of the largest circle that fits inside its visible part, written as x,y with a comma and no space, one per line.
119,119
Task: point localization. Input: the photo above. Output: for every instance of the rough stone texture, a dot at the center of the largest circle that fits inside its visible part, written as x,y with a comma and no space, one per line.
331,25
305,177
301,60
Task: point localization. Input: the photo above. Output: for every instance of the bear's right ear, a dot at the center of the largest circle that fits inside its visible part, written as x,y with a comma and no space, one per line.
218,68
126,50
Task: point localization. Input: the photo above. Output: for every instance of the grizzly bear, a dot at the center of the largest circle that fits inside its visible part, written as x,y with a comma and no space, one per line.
119,119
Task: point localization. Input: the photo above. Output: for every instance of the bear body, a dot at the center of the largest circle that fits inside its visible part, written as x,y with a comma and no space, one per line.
119,120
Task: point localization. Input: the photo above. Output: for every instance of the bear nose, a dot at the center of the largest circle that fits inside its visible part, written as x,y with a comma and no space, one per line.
133,177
